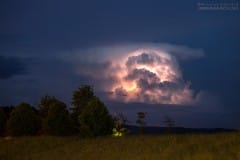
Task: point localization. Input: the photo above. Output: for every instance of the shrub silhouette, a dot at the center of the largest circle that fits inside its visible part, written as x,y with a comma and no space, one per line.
119,125
23,121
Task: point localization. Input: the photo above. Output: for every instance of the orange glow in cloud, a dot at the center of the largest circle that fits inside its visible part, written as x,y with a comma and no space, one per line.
140,73
149,76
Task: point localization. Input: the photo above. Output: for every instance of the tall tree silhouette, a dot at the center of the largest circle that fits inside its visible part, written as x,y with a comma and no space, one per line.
169,122
80,99
140,121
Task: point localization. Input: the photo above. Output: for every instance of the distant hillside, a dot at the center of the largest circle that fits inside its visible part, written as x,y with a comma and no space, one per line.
177,130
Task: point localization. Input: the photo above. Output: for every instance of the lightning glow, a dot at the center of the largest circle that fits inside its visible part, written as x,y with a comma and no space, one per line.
145,72
150,76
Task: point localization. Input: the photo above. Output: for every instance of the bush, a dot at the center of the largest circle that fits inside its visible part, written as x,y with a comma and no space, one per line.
58,120
23,121
3,119
119,126
95,119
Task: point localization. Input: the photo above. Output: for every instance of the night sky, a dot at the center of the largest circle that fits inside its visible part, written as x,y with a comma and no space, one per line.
53,46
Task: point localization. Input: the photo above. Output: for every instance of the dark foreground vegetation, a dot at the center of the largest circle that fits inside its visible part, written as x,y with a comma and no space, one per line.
221,146
87,117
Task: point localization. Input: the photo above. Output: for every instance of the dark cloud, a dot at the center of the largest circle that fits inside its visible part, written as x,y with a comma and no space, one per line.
142,74
44,76
11,66
121,92
171,86
147,80
144,58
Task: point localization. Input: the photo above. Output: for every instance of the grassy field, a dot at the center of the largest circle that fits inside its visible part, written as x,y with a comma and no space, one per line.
224,146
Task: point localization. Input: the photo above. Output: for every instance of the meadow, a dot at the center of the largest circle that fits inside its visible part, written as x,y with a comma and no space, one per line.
220,146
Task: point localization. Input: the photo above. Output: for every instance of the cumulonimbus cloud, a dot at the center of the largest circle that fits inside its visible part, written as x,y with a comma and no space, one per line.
148,73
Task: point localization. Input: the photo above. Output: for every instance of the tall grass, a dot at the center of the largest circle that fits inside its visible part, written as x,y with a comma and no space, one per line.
224,146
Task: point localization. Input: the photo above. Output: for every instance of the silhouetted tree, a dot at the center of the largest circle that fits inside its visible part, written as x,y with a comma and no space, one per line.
94,119
140,121
23,121
44,105
169,122
7,110
3,119
57,120
81,97
43,108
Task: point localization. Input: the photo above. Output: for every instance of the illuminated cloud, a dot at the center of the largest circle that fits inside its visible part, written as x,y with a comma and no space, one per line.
150,76
141,73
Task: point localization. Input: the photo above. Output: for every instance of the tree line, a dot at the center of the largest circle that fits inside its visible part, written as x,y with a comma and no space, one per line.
88,117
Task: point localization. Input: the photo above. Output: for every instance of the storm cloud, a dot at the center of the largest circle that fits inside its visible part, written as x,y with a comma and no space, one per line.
147,73
152,77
